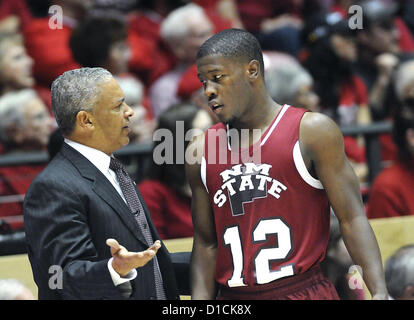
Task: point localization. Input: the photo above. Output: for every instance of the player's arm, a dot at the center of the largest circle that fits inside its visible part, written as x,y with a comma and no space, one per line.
322,146
203,257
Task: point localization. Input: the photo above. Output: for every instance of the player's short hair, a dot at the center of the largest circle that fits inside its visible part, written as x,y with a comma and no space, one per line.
233,43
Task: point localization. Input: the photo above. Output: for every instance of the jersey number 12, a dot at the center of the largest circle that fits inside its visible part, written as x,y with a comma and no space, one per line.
263,229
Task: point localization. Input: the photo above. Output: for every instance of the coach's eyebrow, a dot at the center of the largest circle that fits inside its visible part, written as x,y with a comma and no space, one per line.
120,101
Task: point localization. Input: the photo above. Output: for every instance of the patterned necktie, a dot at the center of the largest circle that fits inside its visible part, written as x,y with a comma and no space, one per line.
134,204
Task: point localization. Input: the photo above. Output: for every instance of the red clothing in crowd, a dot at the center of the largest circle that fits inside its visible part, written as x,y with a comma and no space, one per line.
210,8
405,39
353,95
49,49
189,83
170,211
14,181
148,51
149,60
392,192
253,12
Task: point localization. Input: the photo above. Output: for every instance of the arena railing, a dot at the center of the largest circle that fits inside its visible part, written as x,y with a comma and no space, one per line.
138,155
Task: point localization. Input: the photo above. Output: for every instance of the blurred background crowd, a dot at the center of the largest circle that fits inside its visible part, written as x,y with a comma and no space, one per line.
318,54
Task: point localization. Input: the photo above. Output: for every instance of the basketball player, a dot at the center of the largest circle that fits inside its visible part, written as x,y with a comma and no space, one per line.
261,228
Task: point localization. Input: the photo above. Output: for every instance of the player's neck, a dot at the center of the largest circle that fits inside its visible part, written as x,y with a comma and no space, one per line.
259,116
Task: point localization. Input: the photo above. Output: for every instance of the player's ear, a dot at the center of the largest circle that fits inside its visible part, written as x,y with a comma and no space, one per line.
253,70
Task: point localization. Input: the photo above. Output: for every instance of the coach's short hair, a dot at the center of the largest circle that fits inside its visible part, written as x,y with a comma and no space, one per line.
233,43
74,91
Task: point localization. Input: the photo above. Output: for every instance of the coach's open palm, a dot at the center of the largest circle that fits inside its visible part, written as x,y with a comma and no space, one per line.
124,261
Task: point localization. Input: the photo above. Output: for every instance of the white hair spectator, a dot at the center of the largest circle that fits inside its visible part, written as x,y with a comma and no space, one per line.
175,27
12,110
11,289
399,272
133,90
284,81
404,77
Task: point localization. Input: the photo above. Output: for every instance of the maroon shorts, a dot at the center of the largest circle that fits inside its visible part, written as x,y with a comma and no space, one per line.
311,285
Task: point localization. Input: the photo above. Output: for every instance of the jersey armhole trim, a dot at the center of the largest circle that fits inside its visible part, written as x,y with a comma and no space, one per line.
303,171
203,172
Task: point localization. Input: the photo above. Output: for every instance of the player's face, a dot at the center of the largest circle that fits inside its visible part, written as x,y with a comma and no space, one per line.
225,86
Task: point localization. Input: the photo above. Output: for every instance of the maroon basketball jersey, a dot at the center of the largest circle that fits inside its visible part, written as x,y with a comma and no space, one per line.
271,215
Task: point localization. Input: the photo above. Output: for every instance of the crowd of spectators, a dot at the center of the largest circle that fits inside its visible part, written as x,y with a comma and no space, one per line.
357,73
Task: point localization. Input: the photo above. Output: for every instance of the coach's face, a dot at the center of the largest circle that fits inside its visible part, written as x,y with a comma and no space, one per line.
110,119
226,85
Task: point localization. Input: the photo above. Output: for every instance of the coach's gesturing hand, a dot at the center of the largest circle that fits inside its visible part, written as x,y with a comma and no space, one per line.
124,261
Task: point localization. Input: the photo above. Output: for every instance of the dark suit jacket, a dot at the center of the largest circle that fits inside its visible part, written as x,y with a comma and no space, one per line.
70,210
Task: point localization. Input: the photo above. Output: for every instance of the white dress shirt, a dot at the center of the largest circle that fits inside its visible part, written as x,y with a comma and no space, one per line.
101,161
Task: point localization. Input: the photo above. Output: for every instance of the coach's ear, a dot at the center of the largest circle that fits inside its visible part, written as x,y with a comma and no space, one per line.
253,70
84,120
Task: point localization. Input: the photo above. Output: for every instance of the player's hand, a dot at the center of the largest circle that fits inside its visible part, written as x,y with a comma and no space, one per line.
124,261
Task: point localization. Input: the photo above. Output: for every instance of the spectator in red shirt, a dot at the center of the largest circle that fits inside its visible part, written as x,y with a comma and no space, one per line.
343,94
383,43
276,24
25,125
392,191
144,26
49,47
184,29
380,52
165,188
101,41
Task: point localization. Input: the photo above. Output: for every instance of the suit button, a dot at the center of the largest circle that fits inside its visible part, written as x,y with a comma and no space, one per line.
153,298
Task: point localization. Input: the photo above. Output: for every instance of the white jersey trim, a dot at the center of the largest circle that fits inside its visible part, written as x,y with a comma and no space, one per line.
275,123
303,171
203,171
272,128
